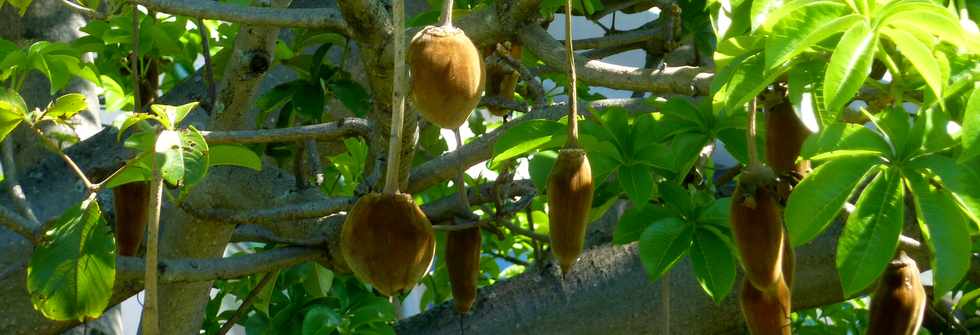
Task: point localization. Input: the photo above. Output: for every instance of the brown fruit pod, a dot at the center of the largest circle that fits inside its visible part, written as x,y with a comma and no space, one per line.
899,301
757,228
502,82
785,134
463,264
131,202
447,75
569,200
766,314
387,242
789,261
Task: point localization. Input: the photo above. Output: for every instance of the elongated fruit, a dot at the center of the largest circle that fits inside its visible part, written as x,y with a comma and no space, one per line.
766,314
502,81
899,301
757,227
569,200
131,202
387,242
447,75
463,264
785,134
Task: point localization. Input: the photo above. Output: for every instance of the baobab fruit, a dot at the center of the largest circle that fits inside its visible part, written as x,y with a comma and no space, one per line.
131,202
387,242
757,227
502,80
766,314
447,75
899,301
569,200
463,264
785,134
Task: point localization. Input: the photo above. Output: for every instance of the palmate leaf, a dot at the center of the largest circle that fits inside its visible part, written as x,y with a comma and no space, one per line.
944,229
871,234
71,274
818,199
809,24
849,66
921,57
714,263
664,243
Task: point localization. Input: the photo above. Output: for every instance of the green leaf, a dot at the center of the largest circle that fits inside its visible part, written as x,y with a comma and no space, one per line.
945,232
352,95
971,127
922,16
320,319
959,178
70,275
183,156
308,99
637,181
714,264
134,171
13,110
871,234
818,199
636,220
171,116
805,27
526,137
844,136
717,213
66,106
234,155
677,197
761,9
845,153
132,119
748,78
849,66
540,167
664,243
921,57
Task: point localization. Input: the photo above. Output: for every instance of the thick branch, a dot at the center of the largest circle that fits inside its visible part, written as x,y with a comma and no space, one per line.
196,270
300,211
16,223
318,18
683,80
346,127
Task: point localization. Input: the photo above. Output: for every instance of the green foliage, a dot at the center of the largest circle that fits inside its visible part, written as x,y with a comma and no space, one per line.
70,275
13,110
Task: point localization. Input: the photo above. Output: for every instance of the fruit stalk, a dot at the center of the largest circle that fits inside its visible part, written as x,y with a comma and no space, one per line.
572,79
398,100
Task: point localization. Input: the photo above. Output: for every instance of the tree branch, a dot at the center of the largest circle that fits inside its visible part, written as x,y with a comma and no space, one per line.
683,80
198,270
313,18
301,211
346,127
13,183
18,224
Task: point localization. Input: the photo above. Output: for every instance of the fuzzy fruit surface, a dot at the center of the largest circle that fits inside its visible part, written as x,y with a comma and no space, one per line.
447,75
766,314
131,202
463,265
387,242
757,228
569,200
785,134
899,301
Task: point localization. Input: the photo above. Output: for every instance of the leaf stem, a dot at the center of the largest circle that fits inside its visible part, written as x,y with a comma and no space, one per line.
57,149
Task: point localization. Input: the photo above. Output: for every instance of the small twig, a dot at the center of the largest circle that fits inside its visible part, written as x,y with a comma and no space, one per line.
134,62
459,226
509,258
208,72
88,12
151,320
313,162
464,202
19,224
71,163
247,303
533,84
13,184
530,223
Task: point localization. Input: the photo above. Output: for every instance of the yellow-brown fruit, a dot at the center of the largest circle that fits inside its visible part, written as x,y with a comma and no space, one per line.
131,202
463,264
899,301
785,134
757,227
447,75
387,242
502,81
569,200
766,314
